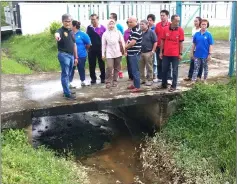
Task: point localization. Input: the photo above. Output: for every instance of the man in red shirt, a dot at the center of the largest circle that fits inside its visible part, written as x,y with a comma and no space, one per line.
164,14
172,42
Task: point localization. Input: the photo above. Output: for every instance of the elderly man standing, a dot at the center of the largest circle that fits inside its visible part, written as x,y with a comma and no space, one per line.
67,54
149,43
172,42
95,32
133,48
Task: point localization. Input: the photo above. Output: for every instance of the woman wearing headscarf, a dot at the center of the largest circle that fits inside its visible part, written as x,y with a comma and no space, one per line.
112,51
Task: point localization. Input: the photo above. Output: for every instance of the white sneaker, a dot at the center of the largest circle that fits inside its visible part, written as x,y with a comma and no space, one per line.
72,86
83,84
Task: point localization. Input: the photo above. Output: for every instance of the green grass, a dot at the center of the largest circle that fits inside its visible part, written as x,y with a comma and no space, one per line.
202,134
9,66
3,4
22,164
218,32
38,52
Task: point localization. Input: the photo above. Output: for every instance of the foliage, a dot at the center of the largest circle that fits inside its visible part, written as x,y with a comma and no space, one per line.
54,26
22,164
198,143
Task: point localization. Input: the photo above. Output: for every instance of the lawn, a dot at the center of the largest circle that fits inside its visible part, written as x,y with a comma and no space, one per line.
218,33
22,164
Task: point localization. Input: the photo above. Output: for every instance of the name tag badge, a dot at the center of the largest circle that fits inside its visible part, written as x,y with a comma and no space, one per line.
65,34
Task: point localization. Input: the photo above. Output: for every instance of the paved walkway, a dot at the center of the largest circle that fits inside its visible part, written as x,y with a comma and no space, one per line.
20,92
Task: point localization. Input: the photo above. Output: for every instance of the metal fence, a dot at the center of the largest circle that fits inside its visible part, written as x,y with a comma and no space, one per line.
218,13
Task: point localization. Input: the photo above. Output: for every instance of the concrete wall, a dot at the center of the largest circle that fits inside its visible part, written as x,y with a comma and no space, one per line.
149,109
155,114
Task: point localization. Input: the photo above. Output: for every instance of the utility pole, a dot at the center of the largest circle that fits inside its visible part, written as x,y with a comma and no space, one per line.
12,18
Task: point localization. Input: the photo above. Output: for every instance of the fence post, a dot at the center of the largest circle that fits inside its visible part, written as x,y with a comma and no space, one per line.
179,10
12,18
232,39
107,6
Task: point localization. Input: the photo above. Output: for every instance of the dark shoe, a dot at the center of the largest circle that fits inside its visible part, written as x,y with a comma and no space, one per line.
172,89
162,87
102,81
187,79
93,82
72,92
70,97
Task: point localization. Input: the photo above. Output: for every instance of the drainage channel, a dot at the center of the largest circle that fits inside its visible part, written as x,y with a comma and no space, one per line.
103,141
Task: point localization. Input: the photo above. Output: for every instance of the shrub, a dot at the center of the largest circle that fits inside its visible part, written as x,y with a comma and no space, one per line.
54,26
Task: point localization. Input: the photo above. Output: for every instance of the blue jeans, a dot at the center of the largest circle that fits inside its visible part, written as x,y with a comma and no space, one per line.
80,68
133,61
66,62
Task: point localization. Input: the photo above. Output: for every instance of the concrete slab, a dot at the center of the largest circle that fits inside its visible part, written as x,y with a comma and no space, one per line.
41,94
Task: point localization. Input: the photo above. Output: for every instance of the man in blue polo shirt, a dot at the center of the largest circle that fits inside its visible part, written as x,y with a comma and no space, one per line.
203,42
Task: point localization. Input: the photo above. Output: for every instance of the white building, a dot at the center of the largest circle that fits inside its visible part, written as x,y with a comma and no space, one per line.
36,17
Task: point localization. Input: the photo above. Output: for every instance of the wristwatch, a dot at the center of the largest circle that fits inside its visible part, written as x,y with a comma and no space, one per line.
180,54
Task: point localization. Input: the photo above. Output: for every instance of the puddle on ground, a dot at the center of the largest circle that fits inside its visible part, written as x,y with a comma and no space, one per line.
99,140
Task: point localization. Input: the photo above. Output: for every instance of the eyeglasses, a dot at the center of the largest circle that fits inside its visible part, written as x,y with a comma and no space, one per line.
67,21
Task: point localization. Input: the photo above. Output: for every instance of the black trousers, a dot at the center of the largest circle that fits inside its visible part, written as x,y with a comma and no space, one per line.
167,61
92,56
129,69
159,66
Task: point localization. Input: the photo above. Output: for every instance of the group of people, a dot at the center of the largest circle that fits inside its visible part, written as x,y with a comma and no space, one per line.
152,51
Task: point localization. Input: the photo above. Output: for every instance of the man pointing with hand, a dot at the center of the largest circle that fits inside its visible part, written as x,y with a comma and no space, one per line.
67,54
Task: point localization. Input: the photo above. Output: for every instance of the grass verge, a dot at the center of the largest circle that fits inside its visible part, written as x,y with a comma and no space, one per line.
9,66
37,52
198,144
22,164
218,32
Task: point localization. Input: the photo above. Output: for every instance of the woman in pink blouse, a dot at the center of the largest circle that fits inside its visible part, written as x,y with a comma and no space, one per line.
111,41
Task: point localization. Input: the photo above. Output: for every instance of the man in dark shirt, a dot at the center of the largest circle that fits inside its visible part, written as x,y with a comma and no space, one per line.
67,53
133,48
149,43
95,32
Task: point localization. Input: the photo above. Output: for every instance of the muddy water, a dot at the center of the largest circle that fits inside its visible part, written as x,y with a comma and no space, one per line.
98,140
